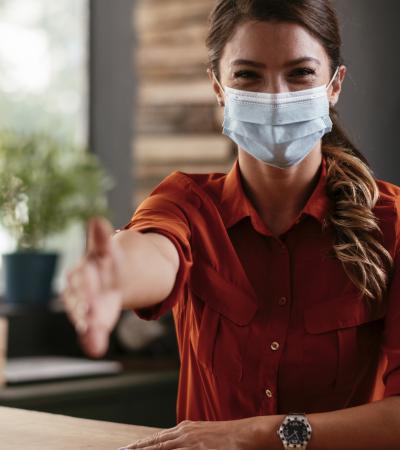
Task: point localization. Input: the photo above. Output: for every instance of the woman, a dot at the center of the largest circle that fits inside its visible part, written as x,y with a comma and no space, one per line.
283,275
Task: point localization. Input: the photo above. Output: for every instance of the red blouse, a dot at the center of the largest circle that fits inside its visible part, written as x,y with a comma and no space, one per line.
267,325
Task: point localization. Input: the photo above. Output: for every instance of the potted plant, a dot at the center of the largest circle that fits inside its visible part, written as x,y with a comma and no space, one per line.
44,187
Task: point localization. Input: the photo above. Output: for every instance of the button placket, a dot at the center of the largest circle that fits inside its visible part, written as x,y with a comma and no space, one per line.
277,330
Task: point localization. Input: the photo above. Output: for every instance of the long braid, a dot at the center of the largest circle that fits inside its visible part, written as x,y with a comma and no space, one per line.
354,193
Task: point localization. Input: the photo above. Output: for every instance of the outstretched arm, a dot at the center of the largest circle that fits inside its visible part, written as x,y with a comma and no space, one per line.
129,270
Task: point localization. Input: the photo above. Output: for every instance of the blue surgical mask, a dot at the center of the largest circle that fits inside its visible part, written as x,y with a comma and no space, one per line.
279,129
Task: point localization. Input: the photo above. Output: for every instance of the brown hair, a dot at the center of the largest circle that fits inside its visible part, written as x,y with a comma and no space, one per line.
350,183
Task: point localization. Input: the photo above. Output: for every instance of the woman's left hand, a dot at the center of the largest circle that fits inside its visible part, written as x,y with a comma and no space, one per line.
220,435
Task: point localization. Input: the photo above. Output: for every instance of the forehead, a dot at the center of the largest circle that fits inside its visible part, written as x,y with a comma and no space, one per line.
272,43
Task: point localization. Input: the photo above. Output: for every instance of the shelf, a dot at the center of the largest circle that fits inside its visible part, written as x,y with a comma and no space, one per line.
14,309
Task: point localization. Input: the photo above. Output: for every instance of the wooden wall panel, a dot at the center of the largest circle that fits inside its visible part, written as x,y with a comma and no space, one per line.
178,122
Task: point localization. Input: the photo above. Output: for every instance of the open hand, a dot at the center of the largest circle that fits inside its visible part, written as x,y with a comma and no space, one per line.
93,297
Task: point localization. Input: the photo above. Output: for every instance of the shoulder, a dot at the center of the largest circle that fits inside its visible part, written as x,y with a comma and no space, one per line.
387,209
189,188
389,194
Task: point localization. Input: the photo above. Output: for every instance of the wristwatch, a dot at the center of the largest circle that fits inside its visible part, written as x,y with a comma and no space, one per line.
295,431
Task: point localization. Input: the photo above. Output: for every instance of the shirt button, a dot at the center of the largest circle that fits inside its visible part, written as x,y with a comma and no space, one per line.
282,301
275,345
268,393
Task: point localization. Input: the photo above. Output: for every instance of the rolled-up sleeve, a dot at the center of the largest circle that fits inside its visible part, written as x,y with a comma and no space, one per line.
391,338
165,213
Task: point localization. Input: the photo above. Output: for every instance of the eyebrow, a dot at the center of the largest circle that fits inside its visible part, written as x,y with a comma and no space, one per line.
248,62
302,59
294,62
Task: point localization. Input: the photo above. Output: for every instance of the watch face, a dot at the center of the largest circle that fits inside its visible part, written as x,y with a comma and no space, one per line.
295,432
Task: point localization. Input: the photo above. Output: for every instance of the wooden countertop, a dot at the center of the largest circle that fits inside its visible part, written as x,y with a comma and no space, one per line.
41,431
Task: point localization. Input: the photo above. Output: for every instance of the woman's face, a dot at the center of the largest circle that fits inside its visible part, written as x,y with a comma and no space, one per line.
275,57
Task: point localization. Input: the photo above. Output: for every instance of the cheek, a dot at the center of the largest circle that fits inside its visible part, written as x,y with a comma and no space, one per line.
226,75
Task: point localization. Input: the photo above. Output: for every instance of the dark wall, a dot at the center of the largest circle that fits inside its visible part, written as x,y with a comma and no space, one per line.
369,105
370,102
112,97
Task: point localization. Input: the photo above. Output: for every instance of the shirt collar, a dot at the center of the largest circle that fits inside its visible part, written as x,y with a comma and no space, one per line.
317,205
235,205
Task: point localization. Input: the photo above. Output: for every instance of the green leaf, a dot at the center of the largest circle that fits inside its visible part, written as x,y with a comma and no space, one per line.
60,184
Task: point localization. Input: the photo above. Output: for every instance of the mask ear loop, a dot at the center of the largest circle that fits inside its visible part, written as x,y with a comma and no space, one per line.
332,80
221,103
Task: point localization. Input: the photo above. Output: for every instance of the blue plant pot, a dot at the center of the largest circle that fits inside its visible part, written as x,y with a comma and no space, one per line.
29,277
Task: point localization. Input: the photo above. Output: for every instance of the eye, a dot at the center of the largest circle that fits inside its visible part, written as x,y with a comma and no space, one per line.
246,74
302,72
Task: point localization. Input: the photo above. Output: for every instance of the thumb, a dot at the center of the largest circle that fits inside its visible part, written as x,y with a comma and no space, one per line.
99,235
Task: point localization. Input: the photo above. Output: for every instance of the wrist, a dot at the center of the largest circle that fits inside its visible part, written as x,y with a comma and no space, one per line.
295,431
264,430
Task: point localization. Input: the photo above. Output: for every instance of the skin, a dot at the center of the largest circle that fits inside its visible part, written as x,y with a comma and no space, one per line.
114,274
118,271
288,191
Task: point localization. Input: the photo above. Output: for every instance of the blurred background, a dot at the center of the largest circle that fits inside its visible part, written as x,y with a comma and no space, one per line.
125,82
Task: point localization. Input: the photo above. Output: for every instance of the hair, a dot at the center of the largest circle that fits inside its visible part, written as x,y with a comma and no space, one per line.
351,186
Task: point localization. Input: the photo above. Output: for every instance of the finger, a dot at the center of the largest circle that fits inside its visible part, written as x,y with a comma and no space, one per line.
81,292
73,286
165,439
104,303
75,277
163,448
101,312
170,445
94,334
89,292
94,341
99,236
69,300
75,309
66,298
81,316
